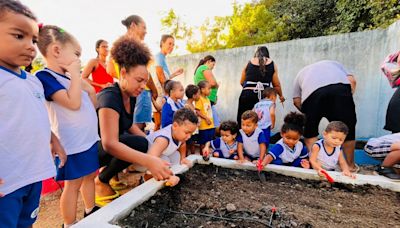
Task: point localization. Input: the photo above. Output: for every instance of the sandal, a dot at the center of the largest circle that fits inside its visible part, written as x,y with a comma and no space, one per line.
117,185
356,169
388,172
102,201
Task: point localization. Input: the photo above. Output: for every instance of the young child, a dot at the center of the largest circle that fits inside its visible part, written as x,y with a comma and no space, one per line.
173,102
204,112
265,110
25,131
290,150
327,153
168,142
226,145
70,104
193,94
252,144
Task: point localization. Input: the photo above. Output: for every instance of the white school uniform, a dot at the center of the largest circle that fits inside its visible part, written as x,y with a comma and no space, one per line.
262,109
219,144
328,161
171,153
76,129
251,144
24,132
286,154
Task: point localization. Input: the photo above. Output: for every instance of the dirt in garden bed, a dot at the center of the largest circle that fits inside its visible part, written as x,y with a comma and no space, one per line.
210,196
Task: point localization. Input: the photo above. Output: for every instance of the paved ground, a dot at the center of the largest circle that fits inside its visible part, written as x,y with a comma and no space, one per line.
50,216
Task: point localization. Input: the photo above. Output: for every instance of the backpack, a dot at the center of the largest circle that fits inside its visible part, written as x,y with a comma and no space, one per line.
391,69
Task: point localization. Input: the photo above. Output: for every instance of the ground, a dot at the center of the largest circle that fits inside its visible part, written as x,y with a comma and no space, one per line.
243,201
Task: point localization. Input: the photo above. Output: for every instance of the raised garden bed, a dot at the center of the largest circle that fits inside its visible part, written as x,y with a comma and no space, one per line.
210,196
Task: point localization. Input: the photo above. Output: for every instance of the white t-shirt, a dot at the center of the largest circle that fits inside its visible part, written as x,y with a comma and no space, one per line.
328,161
262,109
76,129
317,75
25,156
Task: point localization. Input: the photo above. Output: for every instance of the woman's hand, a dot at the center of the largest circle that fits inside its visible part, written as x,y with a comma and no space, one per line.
282,99
159,168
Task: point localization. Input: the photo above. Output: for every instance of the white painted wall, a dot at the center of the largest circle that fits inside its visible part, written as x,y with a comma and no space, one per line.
361,53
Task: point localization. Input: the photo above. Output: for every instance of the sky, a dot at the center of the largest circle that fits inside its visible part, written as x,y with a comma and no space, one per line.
91,20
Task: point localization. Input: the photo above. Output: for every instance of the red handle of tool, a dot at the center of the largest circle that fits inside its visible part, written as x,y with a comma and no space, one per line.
259,165
328,177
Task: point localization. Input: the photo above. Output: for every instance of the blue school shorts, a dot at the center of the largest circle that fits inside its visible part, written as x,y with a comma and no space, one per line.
206,136
79,165
143,109
221,155
267,134
21,207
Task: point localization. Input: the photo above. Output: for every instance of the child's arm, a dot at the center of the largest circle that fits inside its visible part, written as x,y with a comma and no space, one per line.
159,145
272,113
57,149
267,160
182,151
203,116
240,152
206,149
313,159
263,149
343,165
70,98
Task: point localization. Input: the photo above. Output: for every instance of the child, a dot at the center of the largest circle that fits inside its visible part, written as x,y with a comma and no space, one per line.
251,140
204,111
289,150
70,104
173,102
226,145
25,129
327,153
168,142
265,110
193,94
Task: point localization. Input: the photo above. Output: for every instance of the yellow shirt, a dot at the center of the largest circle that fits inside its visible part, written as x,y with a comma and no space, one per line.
204,106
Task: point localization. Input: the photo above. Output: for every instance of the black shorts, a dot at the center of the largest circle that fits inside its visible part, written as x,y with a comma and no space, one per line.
334,102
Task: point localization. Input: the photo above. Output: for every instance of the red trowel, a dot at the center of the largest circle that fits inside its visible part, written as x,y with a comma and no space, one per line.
328,177
260,167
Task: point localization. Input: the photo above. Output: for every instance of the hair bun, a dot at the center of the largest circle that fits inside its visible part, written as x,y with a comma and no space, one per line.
295,118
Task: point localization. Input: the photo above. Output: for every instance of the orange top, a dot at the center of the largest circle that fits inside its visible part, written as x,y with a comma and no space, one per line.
101,76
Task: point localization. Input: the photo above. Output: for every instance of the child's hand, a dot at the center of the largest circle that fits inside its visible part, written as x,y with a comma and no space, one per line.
1,182
73,68
349,174
172,181
57,149
186,162
232,151
158,168
305,163
206,151
241,161
319,171
208,121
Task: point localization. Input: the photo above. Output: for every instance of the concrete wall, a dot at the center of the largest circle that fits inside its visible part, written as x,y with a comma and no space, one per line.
361,53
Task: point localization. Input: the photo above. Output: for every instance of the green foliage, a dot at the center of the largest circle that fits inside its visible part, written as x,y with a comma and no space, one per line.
264,21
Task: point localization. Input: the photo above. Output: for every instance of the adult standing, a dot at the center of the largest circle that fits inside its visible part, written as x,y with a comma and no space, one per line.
325,89
393,111
260,72
97,68
122,142
167,44
204,72
136,28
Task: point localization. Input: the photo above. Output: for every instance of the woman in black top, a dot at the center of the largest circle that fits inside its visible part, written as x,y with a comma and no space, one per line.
259,73
122,142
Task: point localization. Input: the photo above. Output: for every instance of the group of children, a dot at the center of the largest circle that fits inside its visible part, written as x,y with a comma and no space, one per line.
69,126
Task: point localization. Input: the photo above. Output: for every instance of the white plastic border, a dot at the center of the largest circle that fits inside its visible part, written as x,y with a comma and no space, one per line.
122,206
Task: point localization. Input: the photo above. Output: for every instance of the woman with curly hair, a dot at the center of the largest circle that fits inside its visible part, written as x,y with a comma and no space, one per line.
122,142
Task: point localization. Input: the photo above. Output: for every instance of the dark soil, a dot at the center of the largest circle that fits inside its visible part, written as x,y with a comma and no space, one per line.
206,191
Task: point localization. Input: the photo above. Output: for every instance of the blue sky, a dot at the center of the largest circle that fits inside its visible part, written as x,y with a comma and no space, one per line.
90,20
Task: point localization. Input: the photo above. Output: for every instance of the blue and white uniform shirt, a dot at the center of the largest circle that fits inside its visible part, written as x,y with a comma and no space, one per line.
251,143
286,154
264,116
219,145
328,161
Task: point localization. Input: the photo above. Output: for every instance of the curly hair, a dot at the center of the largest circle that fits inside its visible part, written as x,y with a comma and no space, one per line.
49,34
337,126
294,121
229,125
183,114
128,52
15,7
250,115
191,90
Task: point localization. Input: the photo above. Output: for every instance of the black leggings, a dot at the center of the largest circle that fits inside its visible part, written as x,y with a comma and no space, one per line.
248,98
114,165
